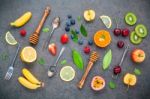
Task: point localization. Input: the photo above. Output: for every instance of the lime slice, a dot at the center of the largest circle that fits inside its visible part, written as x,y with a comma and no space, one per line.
67,73
106,20
10,39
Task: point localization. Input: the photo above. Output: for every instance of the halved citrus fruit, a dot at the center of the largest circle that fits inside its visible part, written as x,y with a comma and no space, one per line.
102,38
67,73
28,54
10,39
106,20
98,83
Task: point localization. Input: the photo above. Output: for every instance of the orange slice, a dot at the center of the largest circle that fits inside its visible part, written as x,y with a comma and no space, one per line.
102,38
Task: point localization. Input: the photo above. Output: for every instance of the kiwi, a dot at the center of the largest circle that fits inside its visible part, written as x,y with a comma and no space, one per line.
130,18
134,38
141,30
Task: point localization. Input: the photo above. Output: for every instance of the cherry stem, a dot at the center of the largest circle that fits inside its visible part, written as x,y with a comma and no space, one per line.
116,20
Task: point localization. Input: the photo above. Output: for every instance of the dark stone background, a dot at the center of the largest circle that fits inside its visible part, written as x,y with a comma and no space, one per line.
55,88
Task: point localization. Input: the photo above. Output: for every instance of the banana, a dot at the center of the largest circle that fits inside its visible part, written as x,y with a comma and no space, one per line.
30,77
89,15
22,20
28,84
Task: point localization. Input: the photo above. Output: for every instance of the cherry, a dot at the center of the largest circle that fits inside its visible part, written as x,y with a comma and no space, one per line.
117,31
117,70
120,44
125,32
87,49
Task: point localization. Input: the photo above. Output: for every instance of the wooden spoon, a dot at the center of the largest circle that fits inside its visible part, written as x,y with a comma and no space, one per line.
93,58
33,39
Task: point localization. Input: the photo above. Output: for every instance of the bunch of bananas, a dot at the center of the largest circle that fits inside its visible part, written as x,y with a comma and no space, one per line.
29,81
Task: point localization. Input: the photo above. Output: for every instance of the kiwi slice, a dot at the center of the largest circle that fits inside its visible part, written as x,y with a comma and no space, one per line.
141,30
130,18
134,38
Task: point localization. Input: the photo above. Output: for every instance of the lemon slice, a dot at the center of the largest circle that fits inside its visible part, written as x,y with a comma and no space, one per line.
67,73
28,54
106,20
10,39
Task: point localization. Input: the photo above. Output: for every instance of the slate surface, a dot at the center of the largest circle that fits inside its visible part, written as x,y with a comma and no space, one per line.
55,88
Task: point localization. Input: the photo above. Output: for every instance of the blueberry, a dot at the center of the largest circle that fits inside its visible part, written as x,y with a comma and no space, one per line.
80,42
90,42
68,23
67,29
69,16
77,31
72,37
72,22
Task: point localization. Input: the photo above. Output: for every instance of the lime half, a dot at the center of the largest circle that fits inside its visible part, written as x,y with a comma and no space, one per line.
67,73
106,20
10,39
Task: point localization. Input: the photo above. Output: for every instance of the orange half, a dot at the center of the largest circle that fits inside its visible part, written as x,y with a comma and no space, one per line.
102,38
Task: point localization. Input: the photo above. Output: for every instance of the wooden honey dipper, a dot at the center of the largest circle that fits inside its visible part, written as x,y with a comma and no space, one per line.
33,39
93,58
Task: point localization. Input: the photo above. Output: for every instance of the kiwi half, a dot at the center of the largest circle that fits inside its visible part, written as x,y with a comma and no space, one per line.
130,18
134,38
141,30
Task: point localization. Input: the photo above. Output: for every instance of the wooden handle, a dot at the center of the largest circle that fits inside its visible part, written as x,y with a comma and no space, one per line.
46,13
81,83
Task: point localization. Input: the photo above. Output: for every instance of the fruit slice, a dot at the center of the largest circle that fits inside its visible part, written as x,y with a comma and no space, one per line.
102,38
67,73
130,18
89,15
30,77
10,39
28,54
130,79
98,83
106,20
141,30
28,84
134,38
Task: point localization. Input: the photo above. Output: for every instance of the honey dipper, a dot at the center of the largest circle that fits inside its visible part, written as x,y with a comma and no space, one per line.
93,58
33,39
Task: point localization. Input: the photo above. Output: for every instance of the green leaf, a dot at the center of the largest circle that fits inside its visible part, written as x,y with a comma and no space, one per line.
41,61
79,19
77,59
107,60
112,85
83,30
63,62
137,71
75,36
45,29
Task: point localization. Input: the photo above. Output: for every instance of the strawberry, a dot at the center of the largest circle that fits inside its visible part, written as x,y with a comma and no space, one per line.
64,39
52,49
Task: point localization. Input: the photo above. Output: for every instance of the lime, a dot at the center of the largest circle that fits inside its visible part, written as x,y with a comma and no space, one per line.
67,73
106,20
10,39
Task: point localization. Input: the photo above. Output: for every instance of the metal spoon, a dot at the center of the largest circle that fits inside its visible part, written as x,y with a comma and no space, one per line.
52,69
55,25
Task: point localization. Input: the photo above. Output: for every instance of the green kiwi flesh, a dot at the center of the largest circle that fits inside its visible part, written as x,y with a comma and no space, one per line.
130,18
134,38
141,30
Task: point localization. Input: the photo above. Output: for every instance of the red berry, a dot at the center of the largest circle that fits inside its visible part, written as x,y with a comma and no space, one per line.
52,49
120,44
87,49
117,70
117,31
23,32
64,39
125,32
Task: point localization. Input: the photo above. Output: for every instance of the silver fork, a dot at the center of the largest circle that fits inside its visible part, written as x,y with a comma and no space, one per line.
11,67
